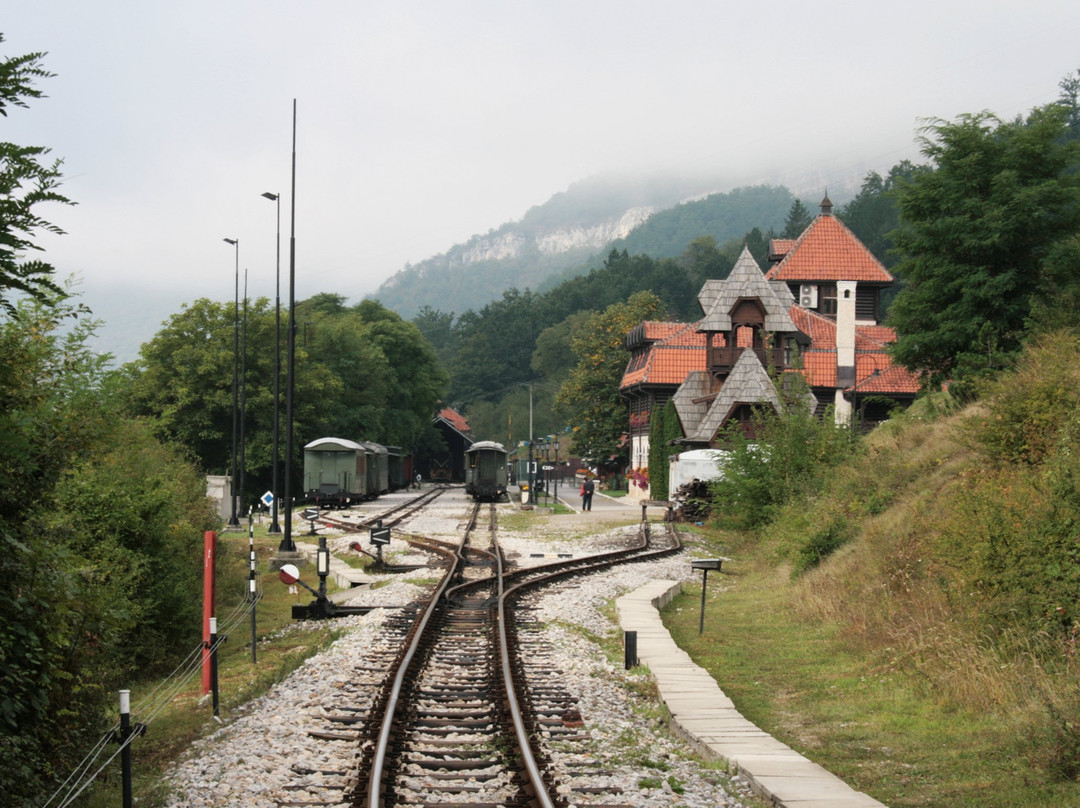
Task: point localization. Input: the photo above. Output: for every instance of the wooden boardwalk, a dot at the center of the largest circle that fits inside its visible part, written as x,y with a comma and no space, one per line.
704,716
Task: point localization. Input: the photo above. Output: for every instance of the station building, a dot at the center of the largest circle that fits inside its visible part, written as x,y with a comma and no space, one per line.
815,310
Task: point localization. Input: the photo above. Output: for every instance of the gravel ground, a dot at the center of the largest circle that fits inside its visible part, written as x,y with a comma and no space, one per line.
246,763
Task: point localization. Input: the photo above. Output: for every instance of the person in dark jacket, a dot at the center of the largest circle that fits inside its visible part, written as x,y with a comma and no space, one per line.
587,489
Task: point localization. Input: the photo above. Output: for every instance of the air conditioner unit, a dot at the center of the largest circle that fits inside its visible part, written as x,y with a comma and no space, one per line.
808,296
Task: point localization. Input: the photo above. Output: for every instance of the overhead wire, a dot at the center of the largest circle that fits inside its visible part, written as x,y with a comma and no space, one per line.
148,708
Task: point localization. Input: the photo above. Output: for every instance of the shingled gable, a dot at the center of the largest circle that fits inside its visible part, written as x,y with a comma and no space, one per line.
748,383
692,401
746,281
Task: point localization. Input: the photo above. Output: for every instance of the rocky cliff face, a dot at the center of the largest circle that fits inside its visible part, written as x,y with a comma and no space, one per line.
511,242
572,238
570,230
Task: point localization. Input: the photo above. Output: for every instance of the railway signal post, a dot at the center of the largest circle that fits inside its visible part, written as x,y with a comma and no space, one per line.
380,537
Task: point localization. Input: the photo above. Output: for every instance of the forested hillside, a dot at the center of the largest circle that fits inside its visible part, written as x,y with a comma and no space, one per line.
572,232
725,216
522,344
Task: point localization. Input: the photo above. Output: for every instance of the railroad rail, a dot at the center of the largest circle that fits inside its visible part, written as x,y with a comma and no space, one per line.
458,706
459,720
388,518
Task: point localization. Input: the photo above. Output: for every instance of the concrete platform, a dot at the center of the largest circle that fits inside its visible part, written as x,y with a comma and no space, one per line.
707,719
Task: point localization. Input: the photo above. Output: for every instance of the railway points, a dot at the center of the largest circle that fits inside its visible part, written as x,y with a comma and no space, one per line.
583,718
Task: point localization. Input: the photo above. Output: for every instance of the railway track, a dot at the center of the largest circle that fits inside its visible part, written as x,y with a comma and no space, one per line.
391,517
461,707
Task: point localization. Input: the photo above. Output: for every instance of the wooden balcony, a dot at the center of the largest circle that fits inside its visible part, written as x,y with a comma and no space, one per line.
722,360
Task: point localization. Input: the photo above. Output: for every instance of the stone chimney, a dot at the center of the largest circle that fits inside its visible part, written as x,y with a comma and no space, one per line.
845,333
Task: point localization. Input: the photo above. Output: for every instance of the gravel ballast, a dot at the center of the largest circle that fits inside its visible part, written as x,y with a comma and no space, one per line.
251,760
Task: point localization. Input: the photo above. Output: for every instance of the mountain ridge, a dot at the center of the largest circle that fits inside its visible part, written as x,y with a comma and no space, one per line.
565,232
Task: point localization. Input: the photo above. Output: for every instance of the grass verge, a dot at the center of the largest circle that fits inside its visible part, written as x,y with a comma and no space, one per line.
880,729
278,652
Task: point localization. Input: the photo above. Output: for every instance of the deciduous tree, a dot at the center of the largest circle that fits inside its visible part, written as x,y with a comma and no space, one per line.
589,398
26,183
975,233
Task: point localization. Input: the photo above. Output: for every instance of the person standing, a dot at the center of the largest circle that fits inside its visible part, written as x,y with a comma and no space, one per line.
587,489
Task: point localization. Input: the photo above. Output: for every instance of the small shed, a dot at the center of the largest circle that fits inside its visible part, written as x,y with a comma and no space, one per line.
446,464
701,464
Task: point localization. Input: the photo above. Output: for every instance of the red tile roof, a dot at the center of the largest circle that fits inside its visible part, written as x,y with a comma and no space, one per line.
890,379
819,360
657,330
669,360
880,334
779,247
828,251
820,329
819,368
454,418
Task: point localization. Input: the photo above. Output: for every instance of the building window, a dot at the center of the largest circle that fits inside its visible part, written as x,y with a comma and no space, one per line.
828,300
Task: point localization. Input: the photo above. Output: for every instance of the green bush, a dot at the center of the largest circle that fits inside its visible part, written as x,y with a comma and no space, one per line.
136,513
1011,536
788,458
1028,407
823,542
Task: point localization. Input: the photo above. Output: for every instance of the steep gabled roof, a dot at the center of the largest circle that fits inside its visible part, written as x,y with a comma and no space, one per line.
689,401
827,251
455,421
748,383
746,281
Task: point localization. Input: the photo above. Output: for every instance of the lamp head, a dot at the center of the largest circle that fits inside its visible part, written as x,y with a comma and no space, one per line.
270,196
231,241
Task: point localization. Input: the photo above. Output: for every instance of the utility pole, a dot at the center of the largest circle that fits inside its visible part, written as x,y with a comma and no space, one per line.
287,552
233,520
532,467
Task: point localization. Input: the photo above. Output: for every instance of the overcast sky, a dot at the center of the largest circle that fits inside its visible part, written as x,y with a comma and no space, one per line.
423,123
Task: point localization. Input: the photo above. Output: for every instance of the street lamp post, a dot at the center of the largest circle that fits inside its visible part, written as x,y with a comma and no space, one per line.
532,471
274,526
233,521
243,398
287,552
558,472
